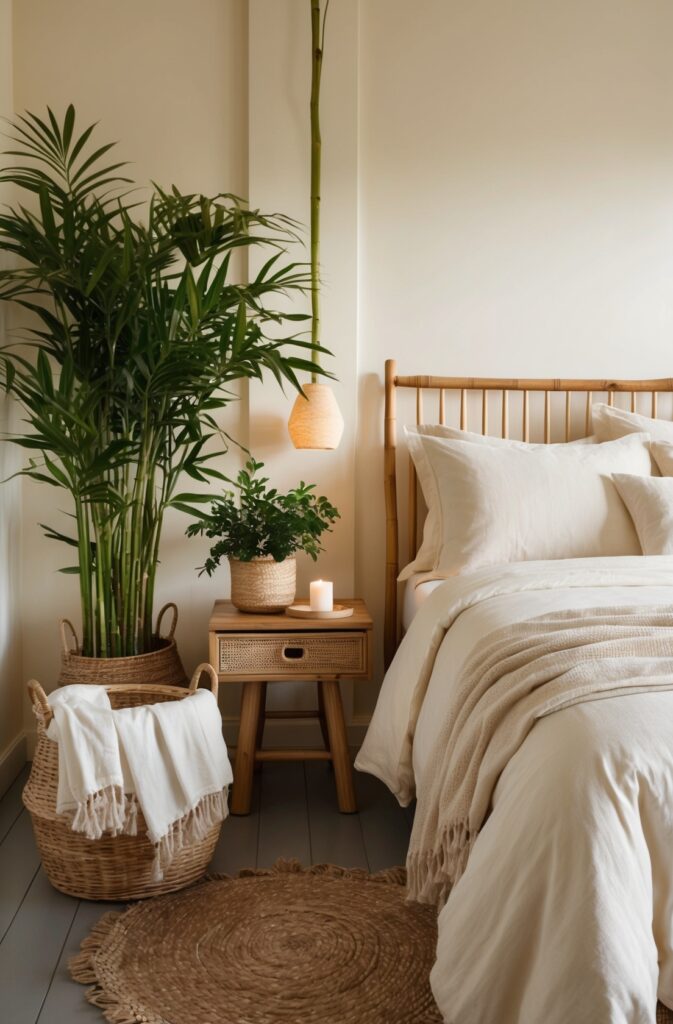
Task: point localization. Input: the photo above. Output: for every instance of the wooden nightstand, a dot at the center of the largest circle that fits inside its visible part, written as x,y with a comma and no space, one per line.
261,649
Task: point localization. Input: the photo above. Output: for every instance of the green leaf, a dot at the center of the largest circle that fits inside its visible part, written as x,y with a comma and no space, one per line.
68,125
103,264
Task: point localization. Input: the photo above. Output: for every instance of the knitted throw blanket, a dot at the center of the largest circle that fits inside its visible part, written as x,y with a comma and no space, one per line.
517,675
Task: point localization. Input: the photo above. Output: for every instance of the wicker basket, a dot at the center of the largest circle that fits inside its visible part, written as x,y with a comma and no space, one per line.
162,665
114,867
262,584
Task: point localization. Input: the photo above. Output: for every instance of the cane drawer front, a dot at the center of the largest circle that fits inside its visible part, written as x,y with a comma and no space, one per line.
292,655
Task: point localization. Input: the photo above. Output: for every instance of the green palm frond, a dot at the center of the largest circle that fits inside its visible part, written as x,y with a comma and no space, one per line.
137,327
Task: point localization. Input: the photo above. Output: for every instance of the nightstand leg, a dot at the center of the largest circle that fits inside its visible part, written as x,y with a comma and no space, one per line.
321,717
336,727
251,706
259,739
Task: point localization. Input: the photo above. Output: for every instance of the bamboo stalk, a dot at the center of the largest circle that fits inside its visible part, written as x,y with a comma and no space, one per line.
316,168
84,557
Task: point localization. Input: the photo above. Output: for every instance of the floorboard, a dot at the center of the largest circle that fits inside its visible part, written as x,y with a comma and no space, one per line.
11,804
294,815
65,1002
239,839
19,862
283,825
335,838
31,949
385,827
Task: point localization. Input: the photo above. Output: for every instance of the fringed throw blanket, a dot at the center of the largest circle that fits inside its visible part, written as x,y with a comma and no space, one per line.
517,675
169,759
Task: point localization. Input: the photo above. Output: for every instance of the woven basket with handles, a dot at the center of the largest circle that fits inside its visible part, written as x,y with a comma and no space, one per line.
262,584
161,665
113,867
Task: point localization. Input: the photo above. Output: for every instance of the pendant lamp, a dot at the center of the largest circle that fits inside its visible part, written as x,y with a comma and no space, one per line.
316,421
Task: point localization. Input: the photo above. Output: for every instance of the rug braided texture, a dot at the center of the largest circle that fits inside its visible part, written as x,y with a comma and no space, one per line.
321,945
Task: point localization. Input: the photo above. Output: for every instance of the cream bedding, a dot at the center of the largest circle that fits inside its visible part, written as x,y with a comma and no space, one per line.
565,910
417,589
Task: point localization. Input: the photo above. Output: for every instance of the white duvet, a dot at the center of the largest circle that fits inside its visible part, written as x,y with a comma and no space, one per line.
565,912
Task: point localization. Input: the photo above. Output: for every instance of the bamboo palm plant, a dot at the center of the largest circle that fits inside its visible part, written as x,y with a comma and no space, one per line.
138,328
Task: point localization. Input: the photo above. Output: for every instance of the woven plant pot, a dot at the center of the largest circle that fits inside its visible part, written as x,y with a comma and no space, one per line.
262,584
114,867
161,665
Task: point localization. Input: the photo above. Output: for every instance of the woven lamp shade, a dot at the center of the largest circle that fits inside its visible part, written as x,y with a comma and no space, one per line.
316,420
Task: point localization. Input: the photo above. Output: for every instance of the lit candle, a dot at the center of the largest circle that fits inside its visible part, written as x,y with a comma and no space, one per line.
321,596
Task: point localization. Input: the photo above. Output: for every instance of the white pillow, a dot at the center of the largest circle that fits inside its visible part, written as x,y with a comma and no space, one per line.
662,453
426,556
649,499
508,504
610,423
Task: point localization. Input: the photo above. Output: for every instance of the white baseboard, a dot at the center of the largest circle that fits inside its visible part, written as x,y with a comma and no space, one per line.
12,760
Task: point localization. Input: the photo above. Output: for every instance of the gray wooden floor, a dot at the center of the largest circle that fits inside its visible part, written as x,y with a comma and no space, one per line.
294,815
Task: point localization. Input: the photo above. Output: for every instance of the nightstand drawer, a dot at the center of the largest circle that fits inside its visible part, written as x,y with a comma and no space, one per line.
292,655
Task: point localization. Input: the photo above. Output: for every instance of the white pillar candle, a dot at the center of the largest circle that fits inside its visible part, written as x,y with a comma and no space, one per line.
321,596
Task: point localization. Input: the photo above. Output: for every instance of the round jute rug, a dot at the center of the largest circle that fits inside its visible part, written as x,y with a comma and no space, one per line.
321,945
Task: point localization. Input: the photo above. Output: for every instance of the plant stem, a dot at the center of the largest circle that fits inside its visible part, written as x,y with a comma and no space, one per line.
86,596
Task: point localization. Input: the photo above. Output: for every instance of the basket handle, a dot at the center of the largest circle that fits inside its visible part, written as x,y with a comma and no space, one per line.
40,701
196,678
171,631
67,650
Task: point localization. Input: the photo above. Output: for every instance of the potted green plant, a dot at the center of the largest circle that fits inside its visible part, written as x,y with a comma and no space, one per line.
260,535
137,329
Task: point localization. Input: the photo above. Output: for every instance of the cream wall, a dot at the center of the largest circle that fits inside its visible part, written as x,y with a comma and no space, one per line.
497,199
516,201
12,742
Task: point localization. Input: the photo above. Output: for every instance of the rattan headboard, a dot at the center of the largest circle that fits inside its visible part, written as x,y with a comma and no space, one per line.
458,391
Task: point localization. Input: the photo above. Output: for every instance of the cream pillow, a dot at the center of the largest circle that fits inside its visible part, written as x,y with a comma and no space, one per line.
508,504
610,423
662,453
426,555
649,499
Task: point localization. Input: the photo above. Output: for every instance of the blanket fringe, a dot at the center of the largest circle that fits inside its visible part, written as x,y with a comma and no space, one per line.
191,828
432,874
108,811
112,812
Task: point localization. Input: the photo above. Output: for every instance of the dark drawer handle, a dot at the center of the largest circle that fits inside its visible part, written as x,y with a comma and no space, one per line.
293,653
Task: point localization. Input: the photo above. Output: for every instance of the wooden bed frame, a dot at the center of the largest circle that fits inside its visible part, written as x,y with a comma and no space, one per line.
459,389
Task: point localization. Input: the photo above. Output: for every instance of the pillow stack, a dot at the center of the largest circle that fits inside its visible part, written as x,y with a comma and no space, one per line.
494,501
649,499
